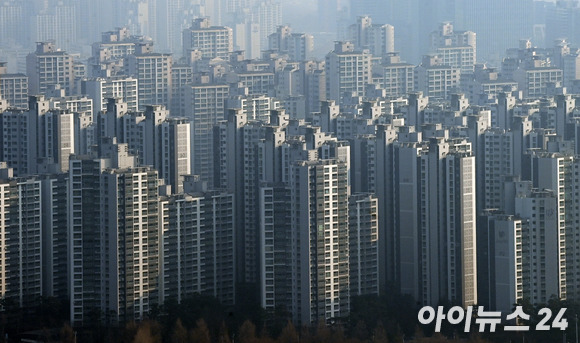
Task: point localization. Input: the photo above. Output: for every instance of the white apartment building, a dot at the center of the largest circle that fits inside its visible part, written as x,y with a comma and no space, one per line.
211,41
379,39
319,214
435,79
101,89
153,74
456,48
48,67
347,71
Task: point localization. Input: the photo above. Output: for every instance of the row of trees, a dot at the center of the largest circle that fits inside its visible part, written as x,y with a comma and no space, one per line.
388,318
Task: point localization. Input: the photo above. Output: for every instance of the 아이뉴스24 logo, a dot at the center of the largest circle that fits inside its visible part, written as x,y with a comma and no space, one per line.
490,319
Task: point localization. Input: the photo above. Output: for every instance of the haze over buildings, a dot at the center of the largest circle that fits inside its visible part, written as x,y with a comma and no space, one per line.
151,150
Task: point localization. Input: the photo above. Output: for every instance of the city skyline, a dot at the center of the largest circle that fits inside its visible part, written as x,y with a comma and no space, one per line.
207,148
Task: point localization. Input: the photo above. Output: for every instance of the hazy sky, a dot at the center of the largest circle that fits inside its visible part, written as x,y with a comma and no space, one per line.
299,13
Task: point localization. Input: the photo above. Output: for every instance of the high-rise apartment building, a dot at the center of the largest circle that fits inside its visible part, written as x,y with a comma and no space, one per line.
379,39
363,224
17,150
534,78
393,75
562,21
197,240
48,67
347,71
218,10
249,164
132,234
298,46
372,172
436,79
269,17
115,45
85,243
257,82
498,165
58,23
556,172
153,74
512,21
279,243
95,17
246,34
319,217
12,14
220,222
456,49
235,168
500,261
544,269
181,264
265,155
13,88
406,209
181,75
173,160
55,200
172,18
572,236
503,113
139,16
53,135
483,86
56,140
101,89
74,104
210,41
153,137
328,11
39,140
571,69
203,105
256,107
434,196
21,239
108,54
113,205
314,76
290,82
277,265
